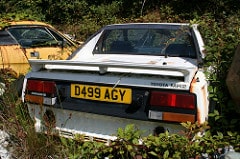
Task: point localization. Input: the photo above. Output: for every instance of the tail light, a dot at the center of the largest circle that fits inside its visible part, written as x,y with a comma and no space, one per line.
186,102
40,92
41,86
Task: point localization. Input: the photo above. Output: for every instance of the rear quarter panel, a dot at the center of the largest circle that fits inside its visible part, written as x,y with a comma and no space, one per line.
12,56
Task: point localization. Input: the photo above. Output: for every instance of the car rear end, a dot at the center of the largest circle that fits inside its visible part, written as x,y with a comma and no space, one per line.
84,102
104,87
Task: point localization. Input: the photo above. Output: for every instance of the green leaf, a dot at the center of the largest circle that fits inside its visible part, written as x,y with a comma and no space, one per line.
220,135
129,147
166,154
230,133
120,133
153,153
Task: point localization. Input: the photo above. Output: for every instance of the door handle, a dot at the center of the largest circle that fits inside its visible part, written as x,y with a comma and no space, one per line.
34,54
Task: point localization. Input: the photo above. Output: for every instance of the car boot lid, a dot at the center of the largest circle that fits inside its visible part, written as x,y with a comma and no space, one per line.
151,65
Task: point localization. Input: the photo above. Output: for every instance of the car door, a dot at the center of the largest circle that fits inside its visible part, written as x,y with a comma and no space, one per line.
12,56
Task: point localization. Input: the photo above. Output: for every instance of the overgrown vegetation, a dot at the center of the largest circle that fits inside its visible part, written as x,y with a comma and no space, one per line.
219,23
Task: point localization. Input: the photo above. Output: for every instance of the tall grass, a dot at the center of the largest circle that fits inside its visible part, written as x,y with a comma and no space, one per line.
15,120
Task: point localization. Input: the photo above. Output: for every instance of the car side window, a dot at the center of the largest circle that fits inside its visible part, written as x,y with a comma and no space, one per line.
61,40
36,33
6,38
33,36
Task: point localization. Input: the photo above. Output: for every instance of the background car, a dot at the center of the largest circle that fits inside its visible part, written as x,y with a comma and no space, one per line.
23,40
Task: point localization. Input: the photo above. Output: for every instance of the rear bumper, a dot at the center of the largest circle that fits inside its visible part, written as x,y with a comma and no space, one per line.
93,126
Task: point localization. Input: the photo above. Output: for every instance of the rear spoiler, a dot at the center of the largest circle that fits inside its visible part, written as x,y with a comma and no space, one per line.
187,72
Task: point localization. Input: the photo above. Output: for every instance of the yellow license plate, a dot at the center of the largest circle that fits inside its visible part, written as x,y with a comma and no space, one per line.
101,93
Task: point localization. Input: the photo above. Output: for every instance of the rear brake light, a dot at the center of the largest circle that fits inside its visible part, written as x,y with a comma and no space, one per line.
41,86
41,92
186,101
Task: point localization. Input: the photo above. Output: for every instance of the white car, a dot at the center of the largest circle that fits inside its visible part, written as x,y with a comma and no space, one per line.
147,74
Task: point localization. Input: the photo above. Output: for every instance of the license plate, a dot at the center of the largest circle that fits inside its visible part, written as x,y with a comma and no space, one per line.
102,93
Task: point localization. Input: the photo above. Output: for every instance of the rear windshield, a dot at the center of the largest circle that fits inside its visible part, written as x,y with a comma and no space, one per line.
147,41
6,39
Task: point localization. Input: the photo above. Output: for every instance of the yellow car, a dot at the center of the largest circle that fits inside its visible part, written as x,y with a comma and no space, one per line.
23,40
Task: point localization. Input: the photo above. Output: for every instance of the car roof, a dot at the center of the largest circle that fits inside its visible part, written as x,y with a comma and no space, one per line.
150,24
26,22
145,25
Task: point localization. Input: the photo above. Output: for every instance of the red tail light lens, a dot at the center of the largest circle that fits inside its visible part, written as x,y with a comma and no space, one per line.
186,101
41,86
41,92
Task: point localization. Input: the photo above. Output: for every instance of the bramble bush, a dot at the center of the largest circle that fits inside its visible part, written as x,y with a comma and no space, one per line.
130,144
221,38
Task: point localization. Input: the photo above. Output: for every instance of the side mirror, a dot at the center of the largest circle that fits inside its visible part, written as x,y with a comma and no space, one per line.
73,38
70,36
